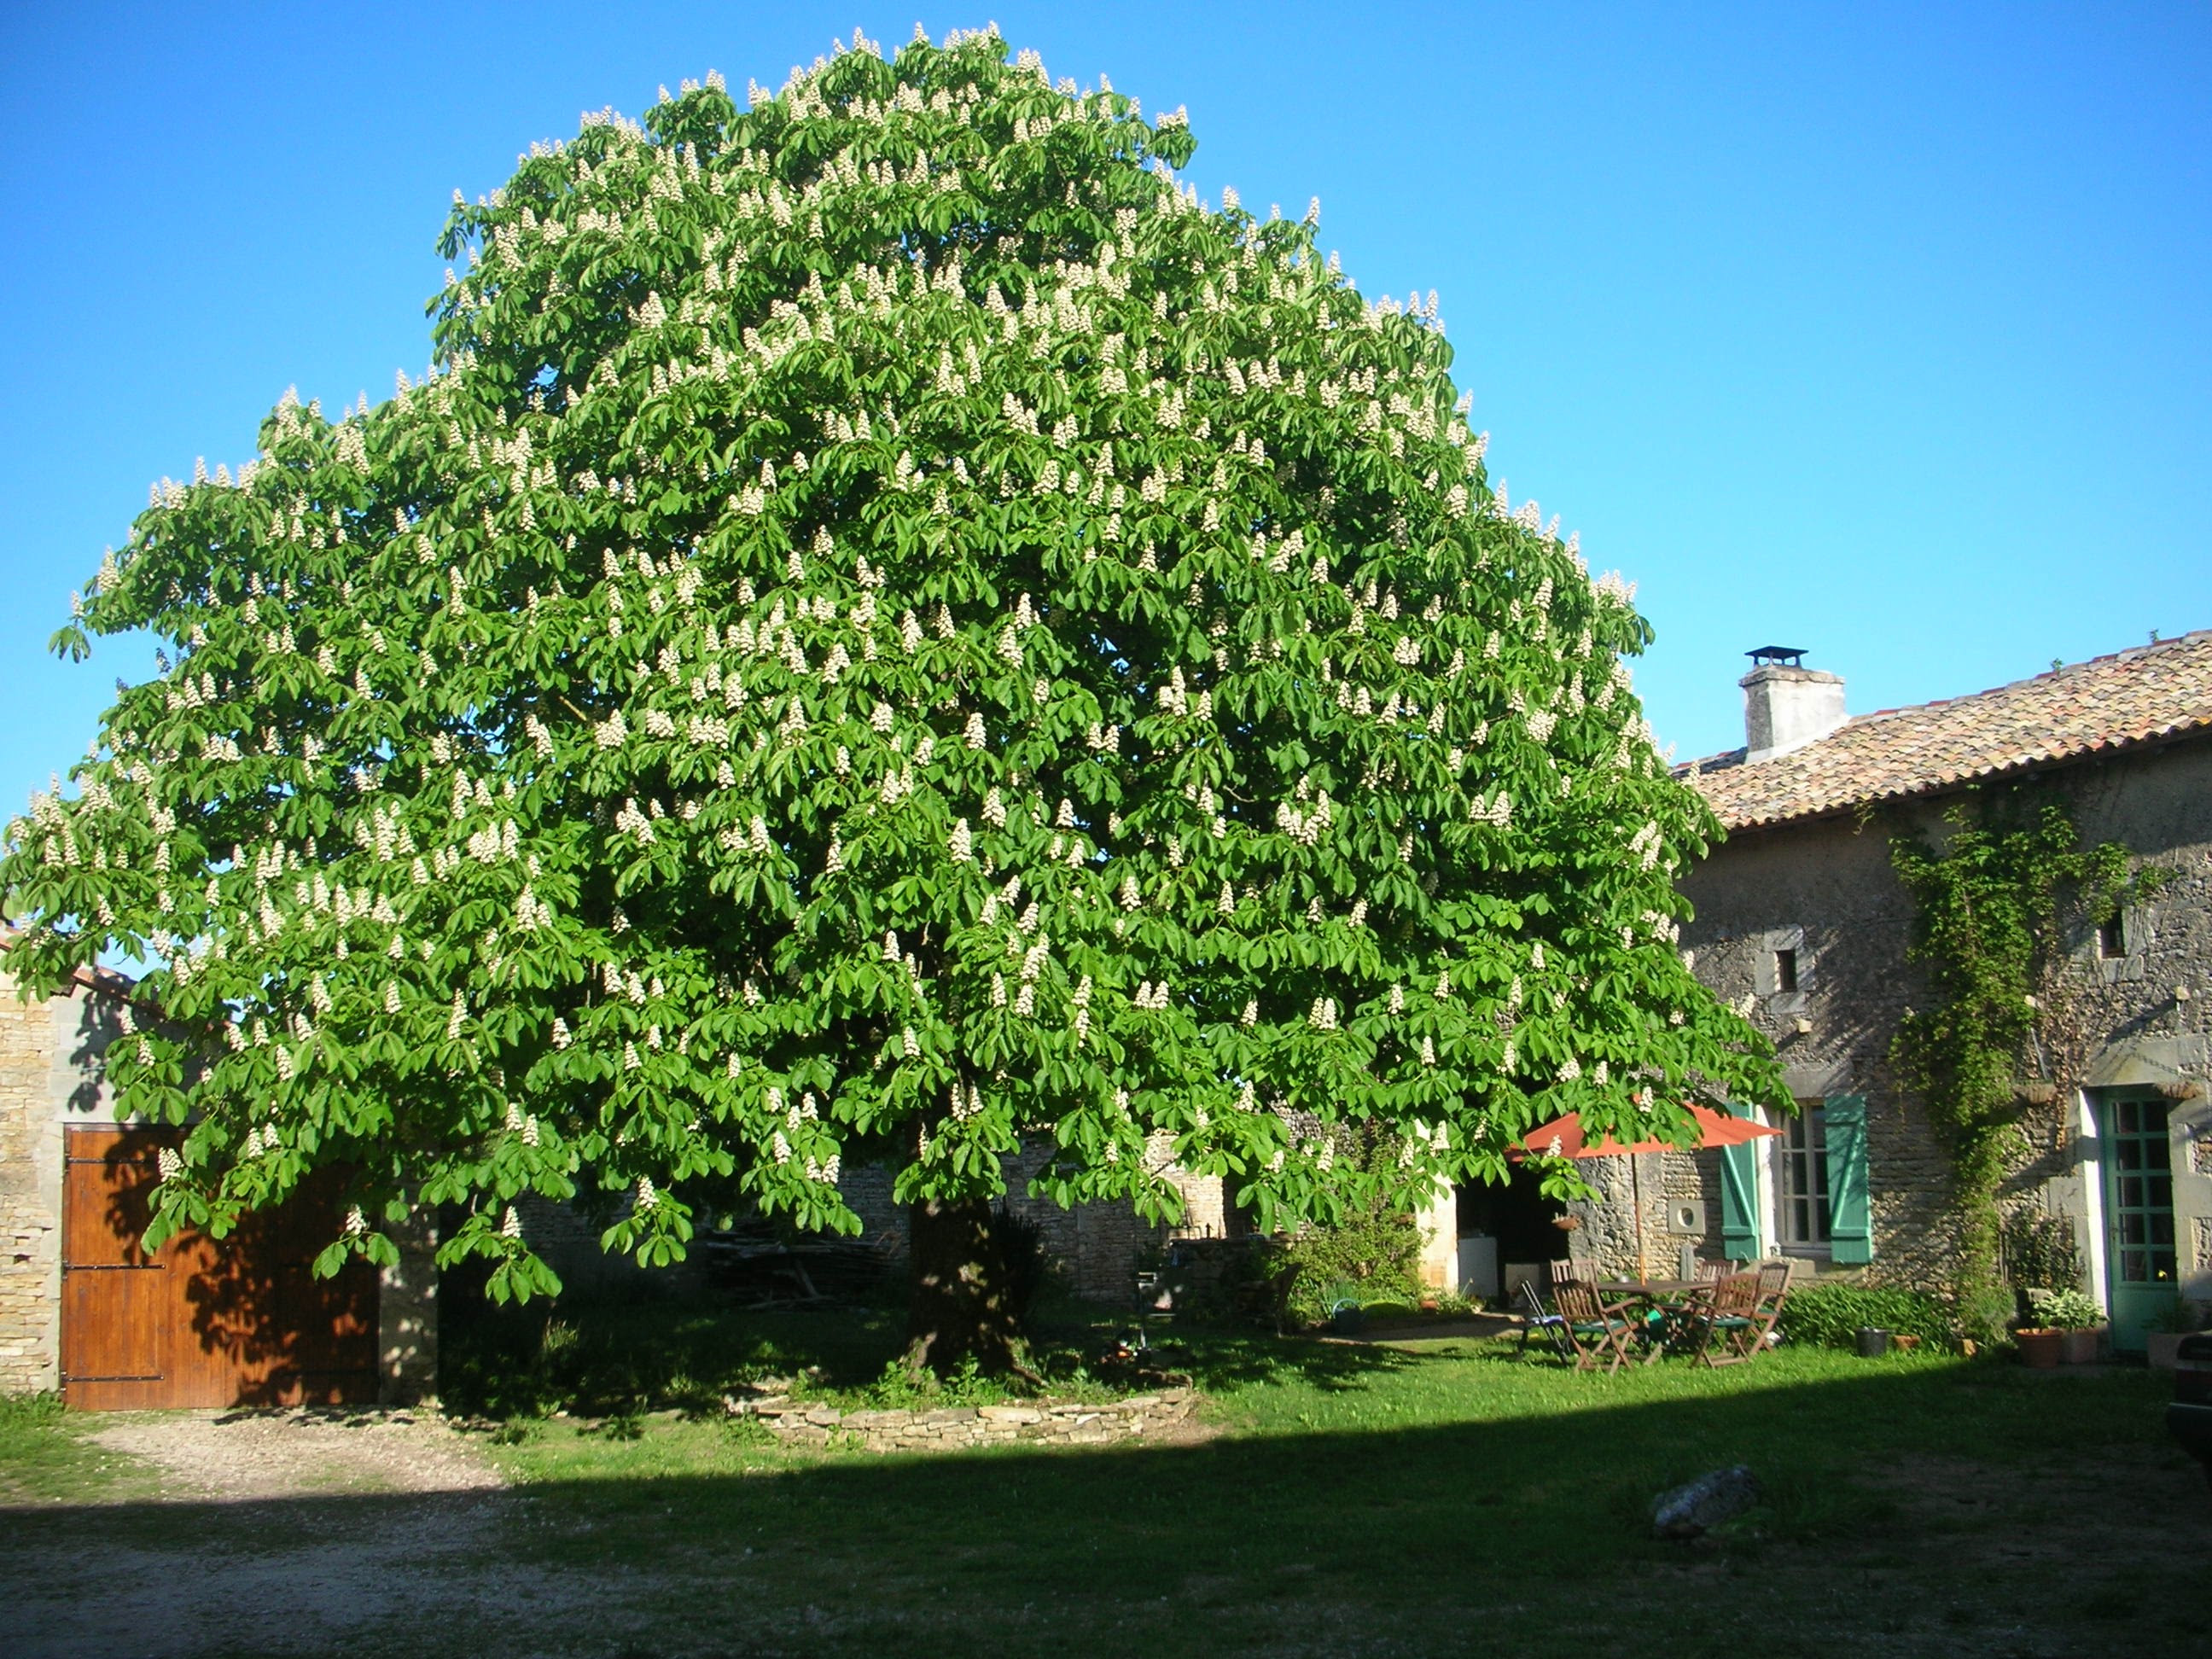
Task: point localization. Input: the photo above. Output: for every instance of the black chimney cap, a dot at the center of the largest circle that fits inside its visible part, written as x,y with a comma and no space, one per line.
1781,656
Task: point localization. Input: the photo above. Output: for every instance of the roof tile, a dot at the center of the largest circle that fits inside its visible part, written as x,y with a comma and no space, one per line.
2108,702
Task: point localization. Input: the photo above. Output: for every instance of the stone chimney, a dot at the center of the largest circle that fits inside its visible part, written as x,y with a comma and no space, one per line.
1787,705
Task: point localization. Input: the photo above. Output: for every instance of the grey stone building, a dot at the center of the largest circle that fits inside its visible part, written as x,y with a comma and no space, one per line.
1800,912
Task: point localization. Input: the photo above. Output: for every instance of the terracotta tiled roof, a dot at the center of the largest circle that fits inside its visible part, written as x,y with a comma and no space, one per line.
2143,695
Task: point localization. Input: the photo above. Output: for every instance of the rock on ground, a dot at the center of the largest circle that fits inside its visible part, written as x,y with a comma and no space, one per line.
1699,1505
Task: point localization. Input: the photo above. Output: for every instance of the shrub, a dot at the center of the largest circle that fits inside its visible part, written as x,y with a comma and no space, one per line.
1370,1256
2066,1310
1829,1315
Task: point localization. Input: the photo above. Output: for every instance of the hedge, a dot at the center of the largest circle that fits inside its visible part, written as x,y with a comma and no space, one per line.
1829,1315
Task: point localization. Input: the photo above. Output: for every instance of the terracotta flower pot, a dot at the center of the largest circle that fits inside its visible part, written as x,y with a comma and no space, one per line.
1903,1341
2079,1347
2041,1350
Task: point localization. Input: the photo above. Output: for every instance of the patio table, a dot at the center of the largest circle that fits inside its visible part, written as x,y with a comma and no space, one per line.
1670,1303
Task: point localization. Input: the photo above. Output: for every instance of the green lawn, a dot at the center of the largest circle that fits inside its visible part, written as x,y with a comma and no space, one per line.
1441,1497
1428,1498
44,1458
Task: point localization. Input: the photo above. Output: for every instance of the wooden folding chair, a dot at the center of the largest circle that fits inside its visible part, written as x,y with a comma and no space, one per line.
1726,1320
1773,1291
1597,1330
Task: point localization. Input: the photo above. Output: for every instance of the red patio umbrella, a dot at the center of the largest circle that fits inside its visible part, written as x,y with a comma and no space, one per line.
1563,1137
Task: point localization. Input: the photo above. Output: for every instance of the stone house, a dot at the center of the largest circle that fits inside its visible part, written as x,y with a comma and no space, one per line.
1800,912
200,1322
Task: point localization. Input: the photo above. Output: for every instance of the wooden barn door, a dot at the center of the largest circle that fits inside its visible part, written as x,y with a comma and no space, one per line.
116,1299
237,1322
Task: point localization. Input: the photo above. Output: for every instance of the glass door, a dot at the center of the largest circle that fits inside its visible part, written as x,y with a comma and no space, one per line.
2139,1260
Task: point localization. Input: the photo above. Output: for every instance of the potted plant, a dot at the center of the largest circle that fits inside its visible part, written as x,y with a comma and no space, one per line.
2042,1344
2074,1318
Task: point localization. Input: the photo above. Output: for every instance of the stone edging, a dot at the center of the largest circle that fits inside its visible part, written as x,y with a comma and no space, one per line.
1060,1423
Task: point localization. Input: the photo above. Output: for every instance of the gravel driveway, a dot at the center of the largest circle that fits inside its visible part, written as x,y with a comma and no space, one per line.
287,1533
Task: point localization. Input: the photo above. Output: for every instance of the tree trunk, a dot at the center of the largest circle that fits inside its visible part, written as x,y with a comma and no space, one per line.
960,1306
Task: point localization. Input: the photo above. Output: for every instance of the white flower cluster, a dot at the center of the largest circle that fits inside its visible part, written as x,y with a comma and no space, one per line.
1305,827
629,821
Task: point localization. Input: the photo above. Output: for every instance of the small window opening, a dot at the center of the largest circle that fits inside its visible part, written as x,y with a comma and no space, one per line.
2113,936
1785,970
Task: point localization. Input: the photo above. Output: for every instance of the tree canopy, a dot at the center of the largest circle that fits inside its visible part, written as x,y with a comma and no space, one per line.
889,629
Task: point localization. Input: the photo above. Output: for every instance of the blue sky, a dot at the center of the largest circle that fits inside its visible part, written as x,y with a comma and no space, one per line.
1879,330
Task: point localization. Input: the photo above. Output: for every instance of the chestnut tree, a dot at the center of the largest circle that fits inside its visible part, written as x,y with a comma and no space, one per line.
891,631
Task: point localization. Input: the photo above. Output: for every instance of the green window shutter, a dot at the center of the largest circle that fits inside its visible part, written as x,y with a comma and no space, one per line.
1850,1225
1740,1198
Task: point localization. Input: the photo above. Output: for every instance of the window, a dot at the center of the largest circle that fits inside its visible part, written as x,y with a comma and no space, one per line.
1785,970
2113,937
1801,1179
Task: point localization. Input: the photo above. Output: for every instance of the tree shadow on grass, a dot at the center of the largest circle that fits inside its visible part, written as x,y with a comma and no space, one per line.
602,1355
1466,1536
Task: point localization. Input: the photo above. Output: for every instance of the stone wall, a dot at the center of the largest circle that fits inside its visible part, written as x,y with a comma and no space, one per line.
567,1240
1826,889
955,1427
1098,1246
30,1198
1648,1185
51,1076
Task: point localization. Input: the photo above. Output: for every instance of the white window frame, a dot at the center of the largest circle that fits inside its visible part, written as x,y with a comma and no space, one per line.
1773,1157
2089,1129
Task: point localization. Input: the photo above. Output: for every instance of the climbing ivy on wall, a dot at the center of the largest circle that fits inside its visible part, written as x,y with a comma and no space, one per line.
1991,905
